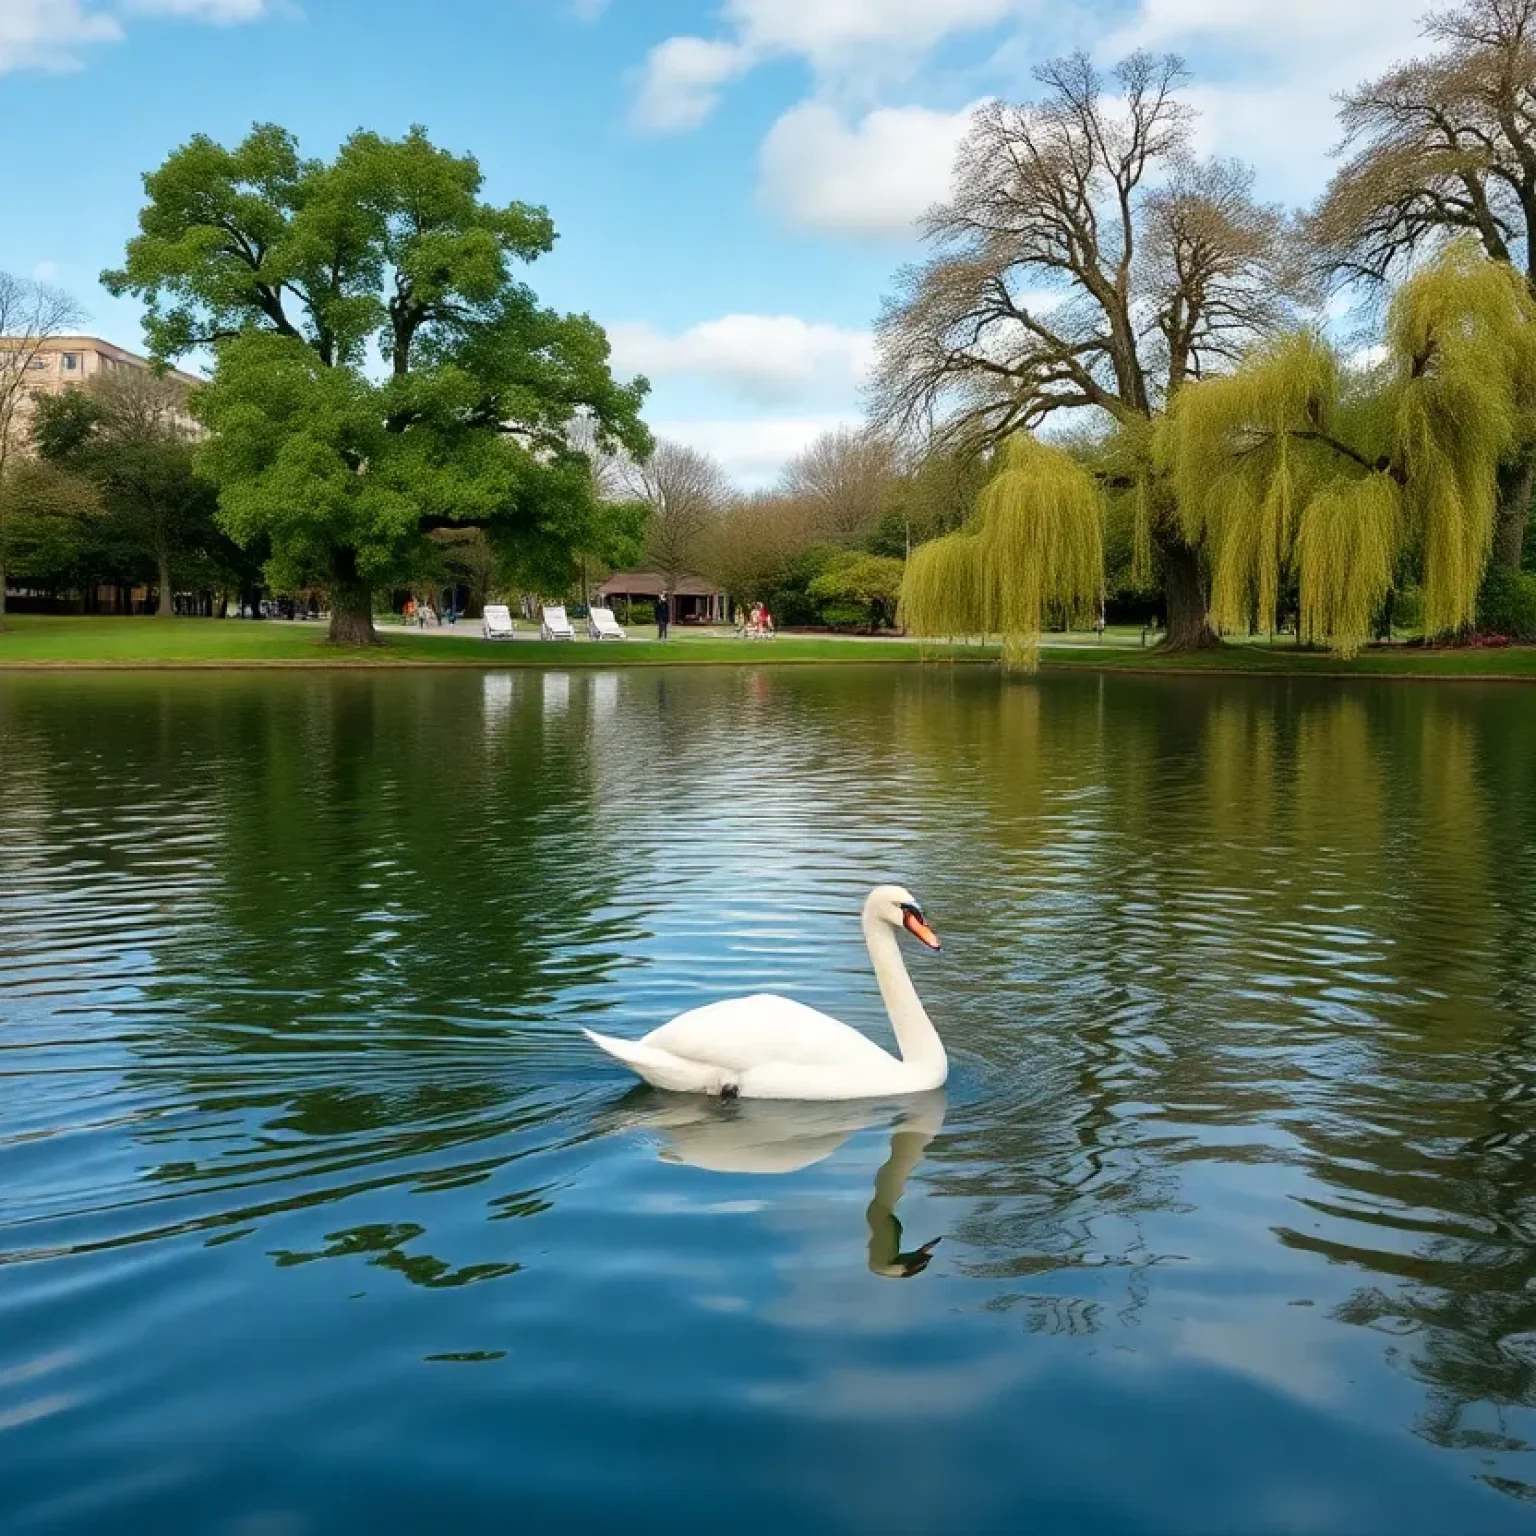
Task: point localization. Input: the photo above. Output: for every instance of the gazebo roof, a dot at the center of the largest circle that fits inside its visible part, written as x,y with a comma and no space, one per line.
653,584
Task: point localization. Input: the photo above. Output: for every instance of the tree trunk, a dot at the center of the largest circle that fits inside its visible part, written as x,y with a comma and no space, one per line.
351,605
1517,482
1188,627
166,608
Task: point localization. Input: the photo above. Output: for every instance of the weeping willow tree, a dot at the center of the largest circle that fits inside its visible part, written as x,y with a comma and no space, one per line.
1297,466
1035,546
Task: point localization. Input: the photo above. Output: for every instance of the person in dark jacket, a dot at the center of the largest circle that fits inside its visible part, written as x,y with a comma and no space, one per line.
663,616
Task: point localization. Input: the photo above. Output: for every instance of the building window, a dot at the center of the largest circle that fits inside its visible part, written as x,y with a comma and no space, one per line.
71,361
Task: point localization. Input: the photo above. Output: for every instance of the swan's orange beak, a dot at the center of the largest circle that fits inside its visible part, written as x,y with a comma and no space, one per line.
912,921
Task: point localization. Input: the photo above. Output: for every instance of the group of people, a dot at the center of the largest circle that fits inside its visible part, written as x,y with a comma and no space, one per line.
758,623
423,614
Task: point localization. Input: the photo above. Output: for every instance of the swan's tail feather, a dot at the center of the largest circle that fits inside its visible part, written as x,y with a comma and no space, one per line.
659,1068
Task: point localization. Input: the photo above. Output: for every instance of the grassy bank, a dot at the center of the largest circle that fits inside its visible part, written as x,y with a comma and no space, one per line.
30,642
114,642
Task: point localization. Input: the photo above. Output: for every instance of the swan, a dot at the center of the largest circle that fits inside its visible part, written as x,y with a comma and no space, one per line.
768,1047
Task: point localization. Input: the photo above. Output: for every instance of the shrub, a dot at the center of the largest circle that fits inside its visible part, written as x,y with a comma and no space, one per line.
1507,604
857,588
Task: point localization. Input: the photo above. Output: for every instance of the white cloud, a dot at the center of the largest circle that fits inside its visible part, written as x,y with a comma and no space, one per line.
1296,28
838,34
768,359
683,79
753,451
861,40
48,34
53,34
220,12
1267,95
1285,130
872,178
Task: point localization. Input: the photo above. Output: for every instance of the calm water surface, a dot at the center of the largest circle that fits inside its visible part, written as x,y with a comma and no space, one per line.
317,1213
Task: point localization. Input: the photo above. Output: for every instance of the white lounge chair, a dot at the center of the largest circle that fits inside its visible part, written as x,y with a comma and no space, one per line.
602,625
497,622
556,626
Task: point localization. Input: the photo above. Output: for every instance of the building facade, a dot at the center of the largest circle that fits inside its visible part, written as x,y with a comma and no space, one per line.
70,362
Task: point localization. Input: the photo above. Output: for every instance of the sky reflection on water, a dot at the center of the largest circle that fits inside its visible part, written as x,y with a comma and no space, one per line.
317,1210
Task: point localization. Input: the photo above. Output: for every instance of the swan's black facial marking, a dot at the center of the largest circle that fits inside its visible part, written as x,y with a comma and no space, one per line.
913,921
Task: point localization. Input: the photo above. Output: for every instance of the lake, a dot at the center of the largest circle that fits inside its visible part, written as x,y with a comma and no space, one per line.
317,1213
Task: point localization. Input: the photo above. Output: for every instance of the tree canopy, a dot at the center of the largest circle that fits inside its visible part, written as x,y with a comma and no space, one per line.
1297,461
1036,545
686,492
31,315
1084,259
125,432
858,588
380,371
846,480
1438,149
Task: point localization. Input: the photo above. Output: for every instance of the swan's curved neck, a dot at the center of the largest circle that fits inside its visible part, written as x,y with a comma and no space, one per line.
920,1045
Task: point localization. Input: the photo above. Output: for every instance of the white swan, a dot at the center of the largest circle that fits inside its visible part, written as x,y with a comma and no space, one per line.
769,1047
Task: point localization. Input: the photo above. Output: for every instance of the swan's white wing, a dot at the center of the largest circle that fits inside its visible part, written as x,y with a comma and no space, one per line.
747,1032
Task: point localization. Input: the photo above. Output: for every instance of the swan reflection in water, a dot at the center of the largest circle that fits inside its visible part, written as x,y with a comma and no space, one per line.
777,1136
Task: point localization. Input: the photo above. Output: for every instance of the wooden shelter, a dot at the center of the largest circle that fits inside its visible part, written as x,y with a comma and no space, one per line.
694,600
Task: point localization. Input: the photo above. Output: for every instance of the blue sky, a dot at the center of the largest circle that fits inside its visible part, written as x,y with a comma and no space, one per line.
734,181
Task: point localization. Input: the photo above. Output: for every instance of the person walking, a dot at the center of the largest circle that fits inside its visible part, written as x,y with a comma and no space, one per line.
663,616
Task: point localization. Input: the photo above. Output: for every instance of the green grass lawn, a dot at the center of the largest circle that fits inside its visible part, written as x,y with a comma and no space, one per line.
140,642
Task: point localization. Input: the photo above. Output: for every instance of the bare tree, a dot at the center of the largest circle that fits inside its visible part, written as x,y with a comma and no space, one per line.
610,467
686,491
1063,279
31,316
939,491
751,546
849,478
1440,147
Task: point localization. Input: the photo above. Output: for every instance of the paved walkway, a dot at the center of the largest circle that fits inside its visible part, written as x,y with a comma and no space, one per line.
528,629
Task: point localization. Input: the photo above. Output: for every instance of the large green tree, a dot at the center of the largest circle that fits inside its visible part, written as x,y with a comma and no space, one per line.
52,523
126,433
381,373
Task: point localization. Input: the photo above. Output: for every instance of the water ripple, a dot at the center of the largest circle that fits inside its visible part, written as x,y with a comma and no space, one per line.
1237,1155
